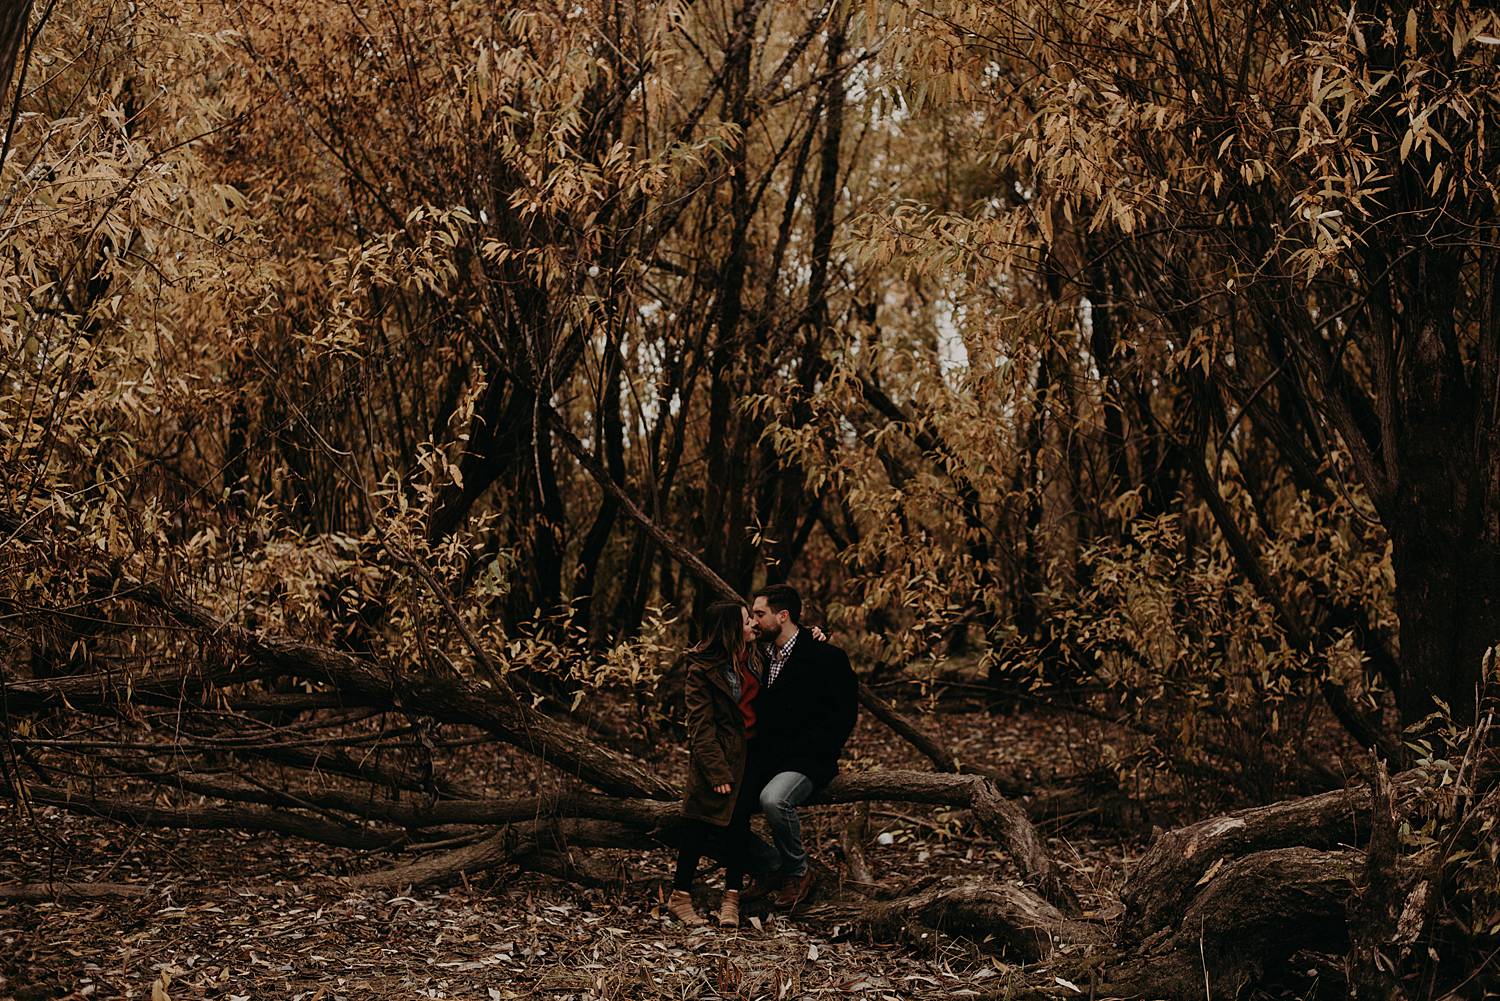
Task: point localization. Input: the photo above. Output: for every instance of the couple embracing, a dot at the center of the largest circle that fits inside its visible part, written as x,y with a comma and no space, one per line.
769,707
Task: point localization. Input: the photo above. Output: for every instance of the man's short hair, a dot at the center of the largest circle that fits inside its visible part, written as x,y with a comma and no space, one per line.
783,598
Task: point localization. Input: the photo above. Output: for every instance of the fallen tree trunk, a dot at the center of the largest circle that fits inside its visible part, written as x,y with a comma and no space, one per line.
574,866
1225,912
447,700
543,842
1001,819
106,689
1243,925
217,818
340,762
359,682
943,759
38,893
1164,880
497,849
1018,921
372,821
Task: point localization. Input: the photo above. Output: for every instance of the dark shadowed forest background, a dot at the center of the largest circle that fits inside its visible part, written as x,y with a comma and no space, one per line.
384,387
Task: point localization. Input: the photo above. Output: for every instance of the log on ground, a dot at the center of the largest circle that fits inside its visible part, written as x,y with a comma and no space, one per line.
1008,916
1165,879
43,892
1251,916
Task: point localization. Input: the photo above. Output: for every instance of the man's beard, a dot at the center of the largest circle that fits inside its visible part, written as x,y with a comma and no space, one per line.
766,636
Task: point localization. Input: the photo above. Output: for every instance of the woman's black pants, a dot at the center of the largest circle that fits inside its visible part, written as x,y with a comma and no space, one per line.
701,838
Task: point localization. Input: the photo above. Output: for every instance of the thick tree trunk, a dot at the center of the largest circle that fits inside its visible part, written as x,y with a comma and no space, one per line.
1166,877
1448,601
1248,919
728,445
15,52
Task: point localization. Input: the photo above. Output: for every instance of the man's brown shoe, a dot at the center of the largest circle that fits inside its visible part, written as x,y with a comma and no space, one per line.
793,892
761,887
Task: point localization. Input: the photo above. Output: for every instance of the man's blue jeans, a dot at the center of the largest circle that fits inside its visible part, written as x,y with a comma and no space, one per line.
779,799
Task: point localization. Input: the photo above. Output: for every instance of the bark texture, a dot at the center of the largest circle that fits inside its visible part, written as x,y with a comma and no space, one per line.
1166,878
1016,921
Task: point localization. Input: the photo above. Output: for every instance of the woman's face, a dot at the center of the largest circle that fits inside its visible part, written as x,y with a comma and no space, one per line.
749,625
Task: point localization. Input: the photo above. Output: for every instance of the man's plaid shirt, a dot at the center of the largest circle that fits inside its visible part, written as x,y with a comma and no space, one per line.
778,658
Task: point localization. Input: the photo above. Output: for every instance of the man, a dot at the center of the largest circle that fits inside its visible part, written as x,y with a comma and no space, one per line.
804,714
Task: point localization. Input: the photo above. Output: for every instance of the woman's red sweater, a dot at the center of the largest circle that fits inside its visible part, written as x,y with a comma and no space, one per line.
749,688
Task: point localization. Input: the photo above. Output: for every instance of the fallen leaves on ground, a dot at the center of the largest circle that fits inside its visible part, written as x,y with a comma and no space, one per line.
238,917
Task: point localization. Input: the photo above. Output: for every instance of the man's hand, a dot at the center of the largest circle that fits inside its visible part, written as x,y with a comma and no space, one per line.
723,790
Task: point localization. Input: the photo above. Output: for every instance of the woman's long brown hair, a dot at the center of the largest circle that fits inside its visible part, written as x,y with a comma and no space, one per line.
723,633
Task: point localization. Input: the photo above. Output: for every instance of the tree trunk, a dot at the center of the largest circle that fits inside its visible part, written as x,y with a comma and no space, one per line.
613,434
549,525
1249,918
1448,601
495,437
1166,877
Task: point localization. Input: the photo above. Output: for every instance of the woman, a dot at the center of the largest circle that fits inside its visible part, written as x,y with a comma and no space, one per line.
722,681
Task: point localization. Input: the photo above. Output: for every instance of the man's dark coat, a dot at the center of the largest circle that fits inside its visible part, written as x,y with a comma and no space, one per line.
804,718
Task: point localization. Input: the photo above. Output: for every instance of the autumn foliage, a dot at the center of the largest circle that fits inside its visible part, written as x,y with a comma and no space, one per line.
1140,359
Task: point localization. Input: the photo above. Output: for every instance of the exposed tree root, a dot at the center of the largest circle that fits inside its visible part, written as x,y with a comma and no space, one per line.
1016,920
998,816
852,844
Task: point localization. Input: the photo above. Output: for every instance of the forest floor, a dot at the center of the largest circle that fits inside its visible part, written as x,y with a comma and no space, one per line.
237,916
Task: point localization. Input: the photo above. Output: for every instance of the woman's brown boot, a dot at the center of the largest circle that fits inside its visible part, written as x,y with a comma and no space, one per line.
680,906
729,910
